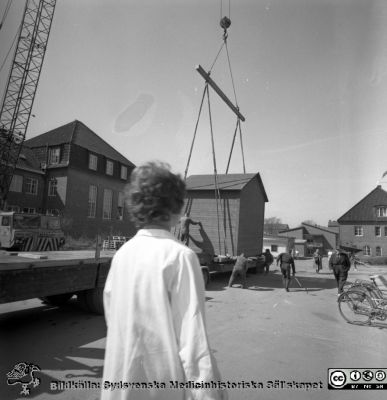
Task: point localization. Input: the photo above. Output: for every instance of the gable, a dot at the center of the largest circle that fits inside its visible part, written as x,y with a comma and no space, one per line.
77,133
229,182
364,210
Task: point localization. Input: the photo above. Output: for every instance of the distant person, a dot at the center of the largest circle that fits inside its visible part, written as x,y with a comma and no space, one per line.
185,222
340,265
240,269
354,260
286,261
317,261
154,301
268,260
330,252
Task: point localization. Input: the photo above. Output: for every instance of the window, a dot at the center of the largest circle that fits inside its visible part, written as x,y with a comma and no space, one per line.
52,187
367,250
54,155
92,205
359,231
107,204
29,210
31,186
381,211
13,208
385,231
274,247
378,231
378,251
109,167
93,162
120,206
53,211
124,172
16,184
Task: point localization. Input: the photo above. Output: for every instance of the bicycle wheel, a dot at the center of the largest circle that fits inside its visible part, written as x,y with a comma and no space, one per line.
356,307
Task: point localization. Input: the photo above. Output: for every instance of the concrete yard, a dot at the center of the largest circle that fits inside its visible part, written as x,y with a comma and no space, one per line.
262,334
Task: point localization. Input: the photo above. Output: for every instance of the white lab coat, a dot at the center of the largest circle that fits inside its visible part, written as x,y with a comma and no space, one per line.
154,309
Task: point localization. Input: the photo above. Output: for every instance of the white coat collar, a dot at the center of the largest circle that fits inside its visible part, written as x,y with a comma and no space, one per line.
155,233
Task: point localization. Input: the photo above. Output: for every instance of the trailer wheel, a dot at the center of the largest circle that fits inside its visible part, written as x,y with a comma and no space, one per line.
206,276
92,300
57,299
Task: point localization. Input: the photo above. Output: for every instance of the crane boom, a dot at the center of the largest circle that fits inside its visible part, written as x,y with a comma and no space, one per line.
21,86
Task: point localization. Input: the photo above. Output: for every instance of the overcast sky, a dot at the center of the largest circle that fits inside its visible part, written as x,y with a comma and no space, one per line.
310,78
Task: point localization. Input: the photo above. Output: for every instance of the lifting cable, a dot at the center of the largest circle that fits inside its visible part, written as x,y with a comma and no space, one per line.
225,23
7,7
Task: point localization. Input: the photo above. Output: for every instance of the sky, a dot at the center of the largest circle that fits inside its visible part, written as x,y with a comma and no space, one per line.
310,78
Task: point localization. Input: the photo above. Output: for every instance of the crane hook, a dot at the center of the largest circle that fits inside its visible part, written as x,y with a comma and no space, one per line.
225,23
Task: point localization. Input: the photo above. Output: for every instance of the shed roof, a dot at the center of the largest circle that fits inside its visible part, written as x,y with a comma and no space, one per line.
364,210
233,182
78,133
28,161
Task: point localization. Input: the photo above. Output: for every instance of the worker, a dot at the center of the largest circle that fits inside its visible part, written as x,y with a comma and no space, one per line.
340,265
285,260
317,261
268,260
240,269
154,302
185,222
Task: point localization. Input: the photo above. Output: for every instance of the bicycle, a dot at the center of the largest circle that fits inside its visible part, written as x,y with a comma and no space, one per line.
364,303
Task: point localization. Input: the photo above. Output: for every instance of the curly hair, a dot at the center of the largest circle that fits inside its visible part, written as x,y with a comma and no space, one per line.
154,193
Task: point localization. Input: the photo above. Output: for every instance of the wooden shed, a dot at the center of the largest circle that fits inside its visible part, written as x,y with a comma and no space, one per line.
232,217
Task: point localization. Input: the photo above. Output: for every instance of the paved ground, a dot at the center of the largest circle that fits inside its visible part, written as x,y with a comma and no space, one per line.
262,334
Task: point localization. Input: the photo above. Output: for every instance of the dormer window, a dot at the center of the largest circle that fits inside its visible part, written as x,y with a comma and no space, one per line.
109,167
54,155
93,162
381,211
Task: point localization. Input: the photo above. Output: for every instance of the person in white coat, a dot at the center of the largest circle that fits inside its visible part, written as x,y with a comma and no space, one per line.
157,345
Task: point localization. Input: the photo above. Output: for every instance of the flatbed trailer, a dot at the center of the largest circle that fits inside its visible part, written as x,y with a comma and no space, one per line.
55,277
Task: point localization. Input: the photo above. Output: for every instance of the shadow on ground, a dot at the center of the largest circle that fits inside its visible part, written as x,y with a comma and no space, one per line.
273,280
55,339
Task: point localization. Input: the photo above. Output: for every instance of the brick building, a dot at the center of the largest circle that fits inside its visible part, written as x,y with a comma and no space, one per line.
309,238
80,177
364,226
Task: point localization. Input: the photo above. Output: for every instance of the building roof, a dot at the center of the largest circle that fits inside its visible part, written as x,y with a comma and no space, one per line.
319,227
77,133
233,182
364,210
27,161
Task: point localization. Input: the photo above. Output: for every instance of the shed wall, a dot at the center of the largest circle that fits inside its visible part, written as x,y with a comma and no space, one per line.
251,220
219,235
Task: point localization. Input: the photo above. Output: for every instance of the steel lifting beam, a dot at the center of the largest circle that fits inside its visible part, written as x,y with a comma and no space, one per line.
217,89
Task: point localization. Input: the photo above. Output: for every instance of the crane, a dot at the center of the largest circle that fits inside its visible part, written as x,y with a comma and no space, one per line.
21,87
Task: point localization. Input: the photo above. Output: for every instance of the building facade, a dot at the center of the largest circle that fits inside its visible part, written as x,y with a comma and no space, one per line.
79,177
309,238
364,226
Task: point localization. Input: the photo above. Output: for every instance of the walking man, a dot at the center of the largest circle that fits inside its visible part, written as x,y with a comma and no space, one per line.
317,260
340,265
185,222
268,260
240,269
285,260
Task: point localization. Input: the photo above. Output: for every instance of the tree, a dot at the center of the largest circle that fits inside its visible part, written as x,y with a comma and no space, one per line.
309,222
272,220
